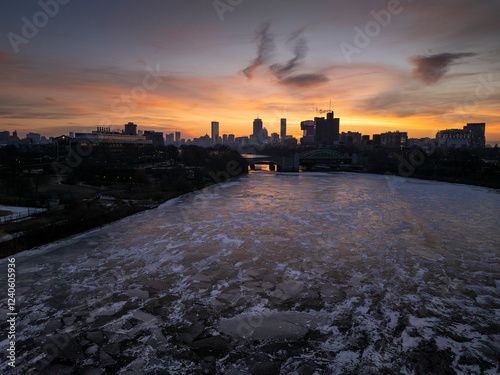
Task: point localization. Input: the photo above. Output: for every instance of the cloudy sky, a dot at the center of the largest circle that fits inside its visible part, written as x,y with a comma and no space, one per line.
167,65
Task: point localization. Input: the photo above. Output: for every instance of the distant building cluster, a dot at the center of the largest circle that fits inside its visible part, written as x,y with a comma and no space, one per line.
322,132
31,139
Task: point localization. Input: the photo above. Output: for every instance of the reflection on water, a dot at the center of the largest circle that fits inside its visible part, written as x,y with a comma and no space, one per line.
335,273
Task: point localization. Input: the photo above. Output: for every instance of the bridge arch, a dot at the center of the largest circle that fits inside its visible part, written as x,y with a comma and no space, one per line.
272,164
267,162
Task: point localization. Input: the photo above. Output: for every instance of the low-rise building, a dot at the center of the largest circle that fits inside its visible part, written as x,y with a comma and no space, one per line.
454,138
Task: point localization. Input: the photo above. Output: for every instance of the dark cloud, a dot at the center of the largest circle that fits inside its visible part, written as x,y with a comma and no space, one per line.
430,69
300,51
284,72
296,34
264,51
304,80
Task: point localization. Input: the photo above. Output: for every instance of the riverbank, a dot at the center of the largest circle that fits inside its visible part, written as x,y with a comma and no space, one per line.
105,187
55,225
492,184
79,217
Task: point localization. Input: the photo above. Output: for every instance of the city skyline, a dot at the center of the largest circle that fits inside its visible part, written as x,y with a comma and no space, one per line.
385,66
322,132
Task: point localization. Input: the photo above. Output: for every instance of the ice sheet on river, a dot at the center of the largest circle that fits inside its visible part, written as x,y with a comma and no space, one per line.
326,274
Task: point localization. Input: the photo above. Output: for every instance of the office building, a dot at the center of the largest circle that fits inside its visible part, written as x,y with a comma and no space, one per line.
275,138
477,130
169,139
155,137
105,135
4,137
130,129
326,131
215,132
471,135
350,138
454,138
307,128
395,139
290,141
34,137
203,141
257,129
283,128
177,136
426,143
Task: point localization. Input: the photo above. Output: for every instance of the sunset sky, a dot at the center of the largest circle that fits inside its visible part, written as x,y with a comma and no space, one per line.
176,65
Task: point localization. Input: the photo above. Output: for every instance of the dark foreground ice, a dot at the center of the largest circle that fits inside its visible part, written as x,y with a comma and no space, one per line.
272,274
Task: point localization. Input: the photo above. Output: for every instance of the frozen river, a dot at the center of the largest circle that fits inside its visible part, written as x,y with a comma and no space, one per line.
272,274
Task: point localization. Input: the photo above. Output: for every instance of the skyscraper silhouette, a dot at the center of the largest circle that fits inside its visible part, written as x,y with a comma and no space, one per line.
283,128
215,131
326,130
257,129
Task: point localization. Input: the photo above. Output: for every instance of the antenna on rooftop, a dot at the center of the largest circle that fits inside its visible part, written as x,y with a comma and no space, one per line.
330,105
